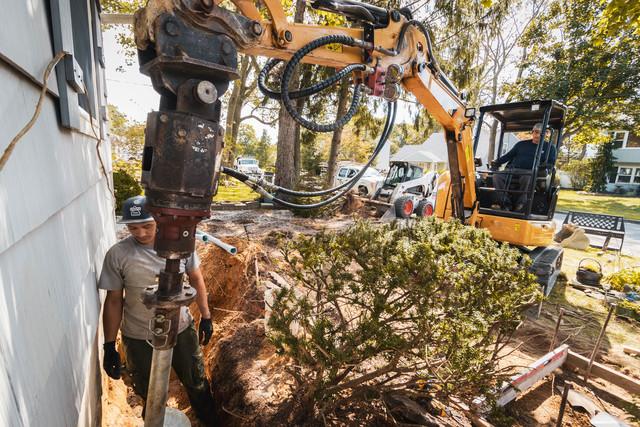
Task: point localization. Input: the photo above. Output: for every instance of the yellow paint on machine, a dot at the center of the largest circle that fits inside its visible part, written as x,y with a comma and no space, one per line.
518,231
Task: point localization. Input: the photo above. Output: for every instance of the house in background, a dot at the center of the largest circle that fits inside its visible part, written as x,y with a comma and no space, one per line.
626,150
56,213
432,154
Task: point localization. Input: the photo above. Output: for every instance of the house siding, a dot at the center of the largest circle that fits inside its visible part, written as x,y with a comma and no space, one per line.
56,223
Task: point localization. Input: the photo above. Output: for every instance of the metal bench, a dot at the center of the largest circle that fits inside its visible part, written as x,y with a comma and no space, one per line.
608,226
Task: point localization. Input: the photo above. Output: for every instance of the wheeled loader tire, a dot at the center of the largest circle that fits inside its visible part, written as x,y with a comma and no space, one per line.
404,206
425,208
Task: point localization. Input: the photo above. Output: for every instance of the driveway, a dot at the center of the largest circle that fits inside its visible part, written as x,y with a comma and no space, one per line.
631,239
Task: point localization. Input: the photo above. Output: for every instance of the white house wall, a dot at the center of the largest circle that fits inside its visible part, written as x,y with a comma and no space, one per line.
56,223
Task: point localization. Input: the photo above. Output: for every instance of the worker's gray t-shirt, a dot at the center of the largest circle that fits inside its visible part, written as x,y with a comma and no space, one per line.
133,266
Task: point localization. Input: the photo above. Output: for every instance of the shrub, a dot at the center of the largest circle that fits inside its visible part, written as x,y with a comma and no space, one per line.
601,167
628,276
375,305
125,184
579,172
629,310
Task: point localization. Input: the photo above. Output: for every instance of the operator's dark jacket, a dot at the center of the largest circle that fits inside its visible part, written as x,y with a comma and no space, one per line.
522,155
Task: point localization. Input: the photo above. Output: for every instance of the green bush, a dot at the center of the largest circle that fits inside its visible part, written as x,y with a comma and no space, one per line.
375,305
125,184
601,167
628,276
628,309
579,172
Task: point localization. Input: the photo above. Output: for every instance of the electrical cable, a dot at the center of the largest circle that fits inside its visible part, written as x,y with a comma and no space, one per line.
7,152
98,143
303,93
391,114
288,75
388,126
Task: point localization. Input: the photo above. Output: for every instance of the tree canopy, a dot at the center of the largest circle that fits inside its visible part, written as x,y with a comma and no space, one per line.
595,72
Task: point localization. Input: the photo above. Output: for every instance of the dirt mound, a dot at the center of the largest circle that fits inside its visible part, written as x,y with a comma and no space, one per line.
250,382
246,377
231,283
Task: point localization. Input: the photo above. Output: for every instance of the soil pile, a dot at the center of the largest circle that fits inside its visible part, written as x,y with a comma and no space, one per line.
248,381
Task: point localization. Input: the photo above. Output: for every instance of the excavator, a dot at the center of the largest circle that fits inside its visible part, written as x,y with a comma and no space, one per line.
189,49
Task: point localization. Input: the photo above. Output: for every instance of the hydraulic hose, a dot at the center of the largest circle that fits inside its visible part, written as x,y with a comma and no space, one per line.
244,178
391,116
288,75
303,93
388,126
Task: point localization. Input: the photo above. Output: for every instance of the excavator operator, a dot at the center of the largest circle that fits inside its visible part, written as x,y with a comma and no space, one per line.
520,160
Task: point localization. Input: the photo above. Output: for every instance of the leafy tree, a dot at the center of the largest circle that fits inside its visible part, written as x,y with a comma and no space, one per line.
372,309
617,14
127,136
602,166
249,145
311,155
590,71
579,172
126,178
124,35
127,142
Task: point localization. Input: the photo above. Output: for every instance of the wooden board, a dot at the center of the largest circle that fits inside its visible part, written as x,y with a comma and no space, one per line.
534,373
577,361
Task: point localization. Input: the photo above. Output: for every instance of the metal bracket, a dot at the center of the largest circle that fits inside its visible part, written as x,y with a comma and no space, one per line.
73,73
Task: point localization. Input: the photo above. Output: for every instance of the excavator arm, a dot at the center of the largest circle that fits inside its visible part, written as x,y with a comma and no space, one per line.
189,50
395,49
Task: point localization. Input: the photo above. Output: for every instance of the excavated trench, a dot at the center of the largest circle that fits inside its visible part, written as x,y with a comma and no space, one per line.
248,381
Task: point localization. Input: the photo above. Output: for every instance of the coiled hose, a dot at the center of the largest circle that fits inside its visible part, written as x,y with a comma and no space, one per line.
303,93
288,75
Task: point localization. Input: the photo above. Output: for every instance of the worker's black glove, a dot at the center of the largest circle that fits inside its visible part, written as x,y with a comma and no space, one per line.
205,330
494,166
111,363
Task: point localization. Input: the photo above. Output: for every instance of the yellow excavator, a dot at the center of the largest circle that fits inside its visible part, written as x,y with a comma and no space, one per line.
189,49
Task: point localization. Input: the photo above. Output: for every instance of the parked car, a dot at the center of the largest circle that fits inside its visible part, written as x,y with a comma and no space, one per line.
249,166
366,185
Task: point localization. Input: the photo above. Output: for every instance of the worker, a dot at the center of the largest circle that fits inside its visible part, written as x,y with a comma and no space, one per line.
520,158
130,266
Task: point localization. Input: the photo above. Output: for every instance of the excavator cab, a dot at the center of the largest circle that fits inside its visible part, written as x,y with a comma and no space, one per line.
514,123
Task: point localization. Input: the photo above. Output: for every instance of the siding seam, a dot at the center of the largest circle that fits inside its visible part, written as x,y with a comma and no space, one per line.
24,73
50,217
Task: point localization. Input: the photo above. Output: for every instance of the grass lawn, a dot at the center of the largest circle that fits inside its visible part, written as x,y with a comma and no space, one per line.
628,207
587,314
235,192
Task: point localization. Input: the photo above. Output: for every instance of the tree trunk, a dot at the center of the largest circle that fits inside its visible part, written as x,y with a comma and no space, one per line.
337,134
234,111
285,170
494,126
289,131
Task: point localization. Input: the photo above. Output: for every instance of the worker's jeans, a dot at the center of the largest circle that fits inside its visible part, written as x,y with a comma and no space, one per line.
186,362
500,183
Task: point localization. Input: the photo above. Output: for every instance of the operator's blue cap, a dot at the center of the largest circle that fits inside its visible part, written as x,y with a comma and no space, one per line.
133,211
